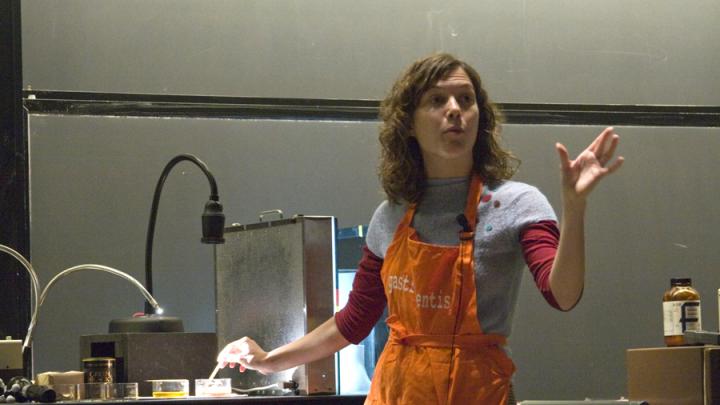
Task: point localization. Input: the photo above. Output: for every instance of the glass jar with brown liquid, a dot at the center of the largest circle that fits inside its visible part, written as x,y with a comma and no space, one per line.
99,369
681,311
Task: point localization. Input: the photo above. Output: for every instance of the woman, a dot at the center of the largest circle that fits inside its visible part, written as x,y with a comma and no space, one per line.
445,251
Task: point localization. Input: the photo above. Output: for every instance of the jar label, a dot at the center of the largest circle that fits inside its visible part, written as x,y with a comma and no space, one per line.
679,316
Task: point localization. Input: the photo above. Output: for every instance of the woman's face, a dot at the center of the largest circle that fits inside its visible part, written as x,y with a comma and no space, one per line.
445,124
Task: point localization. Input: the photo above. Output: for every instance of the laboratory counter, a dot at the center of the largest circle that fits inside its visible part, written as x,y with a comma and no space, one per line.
242,400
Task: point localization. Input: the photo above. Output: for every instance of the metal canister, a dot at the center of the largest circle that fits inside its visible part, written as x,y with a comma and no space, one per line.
99,369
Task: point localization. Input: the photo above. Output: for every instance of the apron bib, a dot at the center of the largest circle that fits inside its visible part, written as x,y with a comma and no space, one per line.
437,352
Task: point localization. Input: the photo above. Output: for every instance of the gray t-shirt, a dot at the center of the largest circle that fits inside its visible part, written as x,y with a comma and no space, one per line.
502,214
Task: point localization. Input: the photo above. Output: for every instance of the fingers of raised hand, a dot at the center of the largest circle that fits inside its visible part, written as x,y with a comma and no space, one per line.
600,139
604,146
563,155
615,165
607,148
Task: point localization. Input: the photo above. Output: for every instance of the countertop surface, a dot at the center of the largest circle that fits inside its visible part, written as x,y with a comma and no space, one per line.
243,400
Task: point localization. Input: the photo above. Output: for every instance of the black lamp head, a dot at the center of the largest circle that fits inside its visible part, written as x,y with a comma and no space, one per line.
213,223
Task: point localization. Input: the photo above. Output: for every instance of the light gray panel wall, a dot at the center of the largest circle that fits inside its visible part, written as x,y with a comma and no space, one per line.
653,220
93,180
601,52
92,184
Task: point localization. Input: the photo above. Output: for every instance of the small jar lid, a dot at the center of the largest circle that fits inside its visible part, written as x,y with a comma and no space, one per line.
98,360
680,281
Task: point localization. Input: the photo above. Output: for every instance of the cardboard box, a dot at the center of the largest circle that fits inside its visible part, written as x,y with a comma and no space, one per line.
584,402
11,354
686,375
59,377
11,359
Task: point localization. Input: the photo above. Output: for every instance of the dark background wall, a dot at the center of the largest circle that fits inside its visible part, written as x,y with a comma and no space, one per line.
14,208
94,163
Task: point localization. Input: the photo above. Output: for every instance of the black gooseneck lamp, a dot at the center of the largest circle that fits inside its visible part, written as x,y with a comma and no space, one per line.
213,224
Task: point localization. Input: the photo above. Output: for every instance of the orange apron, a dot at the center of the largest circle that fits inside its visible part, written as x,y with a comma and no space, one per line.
437,352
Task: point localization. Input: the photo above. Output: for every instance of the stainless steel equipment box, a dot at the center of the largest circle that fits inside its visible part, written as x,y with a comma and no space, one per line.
275,283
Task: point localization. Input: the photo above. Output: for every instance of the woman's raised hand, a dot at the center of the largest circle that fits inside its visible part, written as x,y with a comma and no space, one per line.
581,175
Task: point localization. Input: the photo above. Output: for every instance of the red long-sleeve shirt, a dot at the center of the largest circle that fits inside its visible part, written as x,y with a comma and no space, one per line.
367,299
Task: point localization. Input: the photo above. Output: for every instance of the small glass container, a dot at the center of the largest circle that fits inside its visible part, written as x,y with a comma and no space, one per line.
170,388
681,311
94,391
99,369
216,387
65,392
107,391
127,391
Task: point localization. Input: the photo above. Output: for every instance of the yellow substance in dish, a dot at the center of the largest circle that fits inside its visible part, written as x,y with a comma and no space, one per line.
169,394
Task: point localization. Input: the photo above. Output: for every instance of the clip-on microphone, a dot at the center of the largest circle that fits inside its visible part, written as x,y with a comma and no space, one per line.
462,220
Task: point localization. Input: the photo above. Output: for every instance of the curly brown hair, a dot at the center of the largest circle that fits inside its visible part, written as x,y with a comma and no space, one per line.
401,170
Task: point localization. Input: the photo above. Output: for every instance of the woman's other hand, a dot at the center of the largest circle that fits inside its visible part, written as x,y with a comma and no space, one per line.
245,354
581,175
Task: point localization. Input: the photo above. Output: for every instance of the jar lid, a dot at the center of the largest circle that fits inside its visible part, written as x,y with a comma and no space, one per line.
98,360
680,281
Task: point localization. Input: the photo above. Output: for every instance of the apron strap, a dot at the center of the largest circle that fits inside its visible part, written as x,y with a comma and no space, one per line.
473,199
408,217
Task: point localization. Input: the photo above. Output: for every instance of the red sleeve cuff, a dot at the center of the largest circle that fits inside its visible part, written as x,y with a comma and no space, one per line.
366,302
540,243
